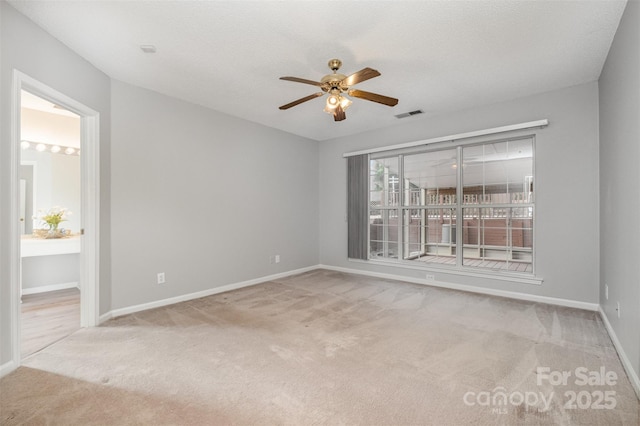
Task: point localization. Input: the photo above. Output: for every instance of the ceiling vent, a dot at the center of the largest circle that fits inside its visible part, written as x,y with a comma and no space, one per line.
148,48
409,114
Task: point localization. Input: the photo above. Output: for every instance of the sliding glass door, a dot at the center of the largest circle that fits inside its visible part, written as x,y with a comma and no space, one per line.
466,207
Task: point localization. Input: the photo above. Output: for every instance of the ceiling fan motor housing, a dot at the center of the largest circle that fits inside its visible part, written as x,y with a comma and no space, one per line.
331,83
335,64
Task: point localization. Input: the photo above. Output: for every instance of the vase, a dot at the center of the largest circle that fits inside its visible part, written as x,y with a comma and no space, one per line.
51,233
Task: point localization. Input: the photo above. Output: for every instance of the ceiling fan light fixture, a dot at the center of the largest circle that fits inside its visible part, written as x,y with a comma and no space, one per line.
333,101
345,103
334,85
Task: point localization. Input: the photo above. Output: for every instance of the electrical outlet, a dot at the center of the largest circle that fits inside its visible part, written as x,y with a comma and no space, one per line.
606,292
277,258
161,279
431,277
618,308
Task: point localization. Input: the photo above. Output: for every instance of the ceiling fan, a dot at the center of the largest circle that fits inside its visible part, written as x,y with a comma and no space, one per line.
335,85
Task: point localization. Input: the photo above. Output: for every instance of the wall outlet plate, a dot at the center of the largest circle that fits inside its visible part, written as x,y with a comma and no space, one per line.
430,277
161,278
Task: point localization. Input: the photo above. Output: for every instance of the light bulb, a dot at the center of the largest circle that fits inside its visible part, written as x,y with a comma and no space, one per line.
40,147
333,101
345,103
55,149
25,145
69,151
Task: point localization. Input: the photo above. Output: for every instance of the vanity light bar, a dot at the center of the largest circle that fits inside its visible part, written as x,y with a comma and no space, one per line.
42,147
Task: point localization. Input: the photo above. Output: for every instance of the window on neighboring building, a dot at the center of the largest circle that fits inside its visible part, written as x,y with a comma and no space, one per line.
465,207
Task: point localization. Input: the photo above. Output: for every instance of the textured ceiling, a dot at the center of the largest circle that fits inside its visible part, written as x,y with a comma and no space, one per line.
437,56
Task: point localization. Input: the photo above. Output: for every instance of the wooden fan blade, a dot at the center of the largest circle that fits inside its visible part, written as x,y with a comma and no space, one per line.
384,100
302,80
301,100
339,114
360,76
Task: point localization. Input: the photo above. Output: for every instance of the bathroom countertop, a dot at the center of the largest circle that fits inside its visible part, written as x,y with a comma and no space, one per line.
31,246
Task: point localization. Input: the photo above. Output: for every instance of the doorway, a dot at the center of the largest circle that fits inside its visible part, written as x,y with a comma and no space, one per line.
50,222
87,224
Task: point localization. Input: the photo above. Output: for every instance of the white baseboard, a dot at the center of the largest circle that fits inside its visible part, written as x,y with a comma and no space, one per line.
472,289
216,290
7,368
105,317
628,367
46,288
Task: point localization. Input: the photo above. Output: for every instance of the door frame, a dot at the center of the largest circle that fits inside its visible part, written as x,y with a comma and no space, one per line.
90,204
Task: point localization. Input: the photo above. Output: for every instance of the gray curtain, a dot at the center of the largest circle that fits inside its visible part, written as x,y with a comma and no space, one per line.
357,209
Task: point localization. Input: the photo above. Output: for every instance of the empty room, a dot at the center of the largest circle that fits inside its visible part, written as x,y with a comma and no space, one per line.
320,212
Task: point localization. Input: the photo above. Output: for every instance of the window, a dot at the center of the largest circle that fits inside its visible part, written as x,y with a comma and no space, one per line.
468,207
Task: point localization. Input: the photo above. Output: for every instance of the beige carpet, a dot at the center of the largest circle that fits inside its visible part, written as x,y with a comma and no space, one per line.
327,348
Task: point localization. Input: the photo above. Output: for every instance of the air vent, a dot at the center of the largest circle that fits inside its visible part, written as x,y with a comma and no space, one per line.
409,114
148,48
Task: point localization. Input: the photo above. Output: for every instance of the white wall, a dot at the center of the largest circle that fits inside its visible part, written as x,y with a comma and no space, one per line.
566,229
29,49
40,271
620,183
204,197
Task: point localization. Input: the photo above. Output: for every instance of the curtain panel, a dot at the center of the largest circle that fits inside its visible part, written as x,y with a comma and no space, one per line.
357,206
